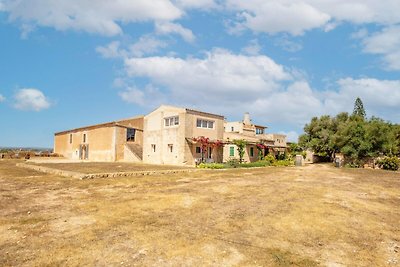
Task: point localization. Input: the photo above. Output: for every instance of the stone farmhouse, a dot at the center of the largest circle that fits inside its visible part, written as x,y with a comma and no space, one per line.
168,135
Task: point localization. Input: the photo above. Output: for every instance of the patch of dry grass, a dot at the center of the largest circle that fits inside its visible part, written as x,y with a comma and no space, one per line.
308,216
108,167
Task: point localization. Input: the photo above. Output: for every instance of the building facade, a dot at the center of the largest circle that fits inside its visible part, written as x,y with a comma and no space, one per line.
168,135
114,141
171,135
259,143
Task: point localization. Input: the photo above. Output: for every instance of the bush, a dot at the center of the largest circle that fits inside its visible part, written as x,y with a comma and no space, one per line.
270,158
233,163
211,166
283,163
260,163
353,164
389,163
281,156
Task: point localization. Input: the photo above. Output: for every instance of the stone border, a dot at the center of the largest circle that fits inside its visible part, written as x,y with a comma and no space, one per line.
81,176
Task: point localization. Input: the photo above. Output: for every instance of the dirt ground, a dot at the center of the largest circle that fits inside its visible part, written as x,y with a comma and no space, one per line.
108,167
299,216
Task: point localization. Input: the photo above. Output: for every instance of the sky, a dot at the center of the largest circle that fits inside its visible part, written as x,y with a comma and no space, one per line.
70,63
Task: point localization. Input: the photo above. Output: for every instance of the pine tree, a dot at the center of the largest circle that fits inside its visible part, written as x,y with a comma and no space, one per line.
359,108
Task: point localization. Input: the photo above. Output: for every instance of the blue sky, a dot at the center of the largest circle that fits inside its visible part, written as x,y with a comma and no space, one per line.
70,63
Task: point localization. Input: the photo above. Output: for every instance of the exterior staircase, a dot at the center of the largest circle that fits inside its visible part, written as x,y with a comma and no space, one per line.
135,151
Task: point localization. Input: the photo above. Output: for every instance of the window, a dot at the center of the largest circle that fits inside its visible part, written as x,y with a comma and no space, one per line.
198,150
259,131
130,134
205,124
84,138
171,121
170,148
70,138
232,129
251,151
153,147
231,151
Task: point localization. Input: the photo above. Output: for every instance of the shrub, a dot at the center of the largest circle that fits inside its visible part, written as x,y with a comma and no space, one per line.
269,158
389,163
233,163
281,156
353,164
283,163
260,163
211,166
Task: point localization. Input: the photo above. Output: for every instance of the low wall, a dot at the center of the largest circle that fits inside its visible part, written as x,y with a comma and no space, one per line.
99,175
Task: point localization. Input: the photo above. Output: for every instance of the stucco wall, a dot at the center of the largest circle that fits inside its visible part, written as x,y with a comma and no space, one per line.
183,152
246,156
164,138
99,141
191,130
237,126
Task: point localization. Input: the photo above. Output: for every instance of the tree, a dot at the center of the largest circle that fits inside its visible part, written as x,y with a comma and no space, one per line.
241,146
354,136
359,108
318,136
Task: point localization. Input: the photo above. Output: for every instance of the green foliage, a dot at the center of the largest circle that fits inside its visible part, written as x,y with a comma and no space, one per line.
241,146
211,166
354,136
232,163
282,156
389,163
269,158
260,163
285,162
354,164
296,149
359,108
318,136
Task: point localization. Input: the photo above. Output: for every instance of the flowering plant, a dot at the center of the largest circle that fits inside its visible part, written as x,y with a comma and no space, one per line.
261,146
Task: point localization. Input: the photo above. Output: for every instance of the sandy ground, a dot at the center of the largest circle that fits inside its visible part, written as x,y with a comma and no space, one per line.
104,167
300,216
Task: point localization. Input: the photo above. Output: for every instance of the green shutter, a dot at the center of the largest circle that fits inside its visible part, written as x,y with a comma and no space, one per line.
231,151
251,151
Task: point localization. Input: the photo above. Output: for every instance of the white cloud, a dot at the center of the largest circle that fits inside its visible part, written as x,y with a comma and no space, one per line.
253,48
220,73
228,83
31,99
112,50
149,96
166,28
360,34
199,4
223,80
286,44
380,97
102,17
272,16
387,44
2,98
279,16
146,45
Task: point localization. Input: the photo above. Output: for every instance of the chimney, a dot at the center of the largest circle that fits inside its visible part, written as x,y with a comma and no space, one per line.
246,119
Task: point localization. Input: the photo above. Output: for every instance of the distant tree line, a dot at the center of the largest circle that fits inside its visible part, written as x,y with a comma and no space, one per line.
355,136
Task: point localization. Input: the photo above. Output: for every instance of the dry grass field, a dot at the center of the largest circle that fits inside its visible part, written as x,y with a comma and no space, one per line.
300,216
110,167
